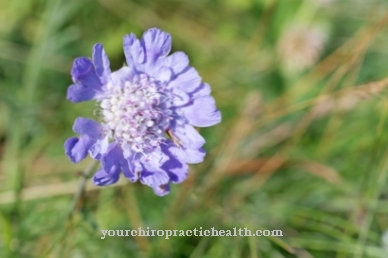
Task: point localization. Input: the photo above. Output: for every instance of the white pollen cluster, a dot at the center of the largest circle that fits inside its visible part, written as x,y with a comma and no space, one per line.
136,114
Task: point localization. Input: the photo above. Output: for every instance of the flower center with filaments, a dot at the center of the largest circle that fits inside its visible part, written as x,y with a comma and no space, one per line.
136,113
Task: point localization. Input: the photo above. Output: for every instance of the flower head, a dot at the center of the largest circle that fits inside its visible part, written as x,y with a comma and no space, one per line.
300,46
146,113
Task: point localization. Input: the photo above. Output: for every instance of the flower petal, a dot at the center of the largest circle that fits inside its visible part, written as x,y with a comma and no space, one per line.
86,85
103,178
134,52
203,112
99,148
161,73
202,90
130,168
88,127
162,190
188,81
77,148
101,63
152,174
114,160
188,136
153,177
190,156
121,76
176,169
157,43
170,67
178,62
180,98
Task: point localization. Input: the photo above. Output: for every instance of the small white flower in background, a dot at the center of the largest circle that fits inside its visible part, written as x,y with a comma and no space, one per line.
384,240
300,46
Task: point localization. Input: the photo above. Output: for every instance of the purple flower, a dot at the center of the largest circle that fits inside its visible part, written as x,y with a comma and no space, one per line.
146,113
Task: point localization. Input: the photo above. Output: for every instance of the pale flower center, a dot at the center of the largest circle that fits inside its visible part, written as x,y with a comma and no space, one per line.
136,114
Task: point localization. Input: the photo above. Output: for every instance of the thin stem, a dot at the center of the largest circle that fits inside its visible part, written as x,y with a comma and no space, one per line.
134,215
81,186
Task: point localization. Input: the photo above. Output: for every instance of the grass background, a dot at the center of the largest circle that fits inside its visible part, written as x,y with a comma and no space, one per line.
303,150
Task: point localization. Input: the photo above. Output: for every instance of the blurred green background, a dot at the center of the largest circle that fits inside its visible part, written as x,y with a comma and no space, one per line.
302,147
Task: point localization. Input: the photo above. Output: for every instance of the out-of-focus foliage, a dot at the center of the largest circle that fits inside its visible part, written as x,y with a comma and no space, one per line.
302,147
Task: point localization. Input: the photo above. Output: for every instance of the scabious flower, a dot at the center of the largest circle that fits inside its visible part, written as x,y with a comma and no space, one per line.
146,112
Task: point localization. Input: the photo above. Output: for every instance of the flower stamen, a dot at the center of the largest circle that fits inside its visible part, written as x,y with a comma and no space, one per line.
133,114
